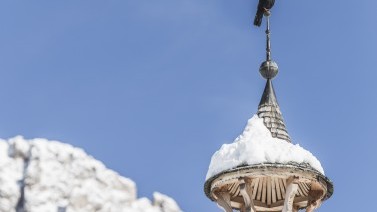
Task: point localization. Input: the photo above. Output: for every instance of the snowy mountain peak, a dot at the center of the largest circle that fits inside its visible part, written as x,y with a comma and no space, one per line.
48,176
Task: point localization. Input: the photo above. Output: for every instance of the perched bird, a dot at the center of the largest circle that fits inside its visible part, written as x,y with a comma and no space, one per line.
263,6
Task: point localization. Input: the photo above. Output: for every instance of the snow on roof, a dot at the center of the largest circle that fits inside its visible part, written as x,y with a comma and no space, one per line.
257,146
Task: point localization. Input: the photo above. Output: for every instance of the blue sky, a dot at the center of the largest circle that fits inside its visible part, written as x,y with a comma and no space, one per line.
154,88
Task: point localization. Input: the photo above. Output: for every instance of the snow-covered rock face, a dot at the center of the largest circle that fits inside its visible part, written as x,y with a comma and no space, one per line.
48,176
257,146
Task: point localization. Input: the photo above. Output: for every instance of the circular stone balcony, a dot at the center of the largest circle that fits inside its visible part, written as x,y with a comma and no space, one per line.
269,187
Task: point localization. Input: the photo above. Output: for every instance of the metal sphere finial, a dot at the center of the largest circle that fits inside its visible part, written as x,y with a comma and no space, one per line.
269,69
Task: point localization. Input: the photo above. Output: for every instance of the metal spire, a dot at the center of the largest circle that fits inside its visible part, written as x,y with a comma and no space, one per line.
269,108
269,69
268,34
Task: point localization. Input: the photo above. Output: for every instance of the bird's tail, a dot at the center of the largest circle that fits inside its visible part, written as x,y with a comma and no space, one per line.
258,18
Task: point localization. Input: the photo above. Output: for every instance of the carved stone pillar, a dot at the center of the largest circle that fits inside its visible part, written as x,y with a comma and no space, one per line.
246,191
224,201
292,188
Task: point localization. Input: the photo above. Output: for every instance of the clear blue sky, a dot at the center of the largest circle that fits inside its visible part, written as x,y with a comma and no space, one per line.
154,88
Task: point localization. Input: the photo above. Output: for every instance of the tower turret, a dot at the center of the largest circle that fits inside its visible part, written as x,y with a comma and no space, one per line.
262,170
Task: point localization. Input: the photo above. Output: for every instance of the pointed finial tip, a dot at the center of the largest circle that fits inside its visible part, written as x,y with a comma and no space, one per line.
269,69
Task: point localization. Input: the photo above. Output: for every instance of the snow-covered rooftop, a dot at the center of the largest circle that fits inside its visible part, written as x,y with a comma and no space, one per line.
257,146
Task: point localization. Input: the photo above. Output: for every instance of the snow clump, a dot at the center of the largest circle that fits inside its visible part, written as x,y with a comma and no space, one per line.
39,175
257,146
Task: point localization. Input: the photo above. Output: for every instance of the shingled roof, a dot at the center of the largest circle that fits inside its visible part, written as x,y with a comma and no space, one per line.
269,110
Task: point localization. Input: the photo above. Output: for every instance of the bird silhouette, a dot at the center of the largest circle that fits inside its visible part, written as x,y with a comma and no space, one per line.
263,6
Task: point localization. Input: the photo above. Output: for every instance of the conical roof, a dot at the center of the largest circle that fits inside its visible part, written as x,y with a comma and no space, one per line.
269,110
